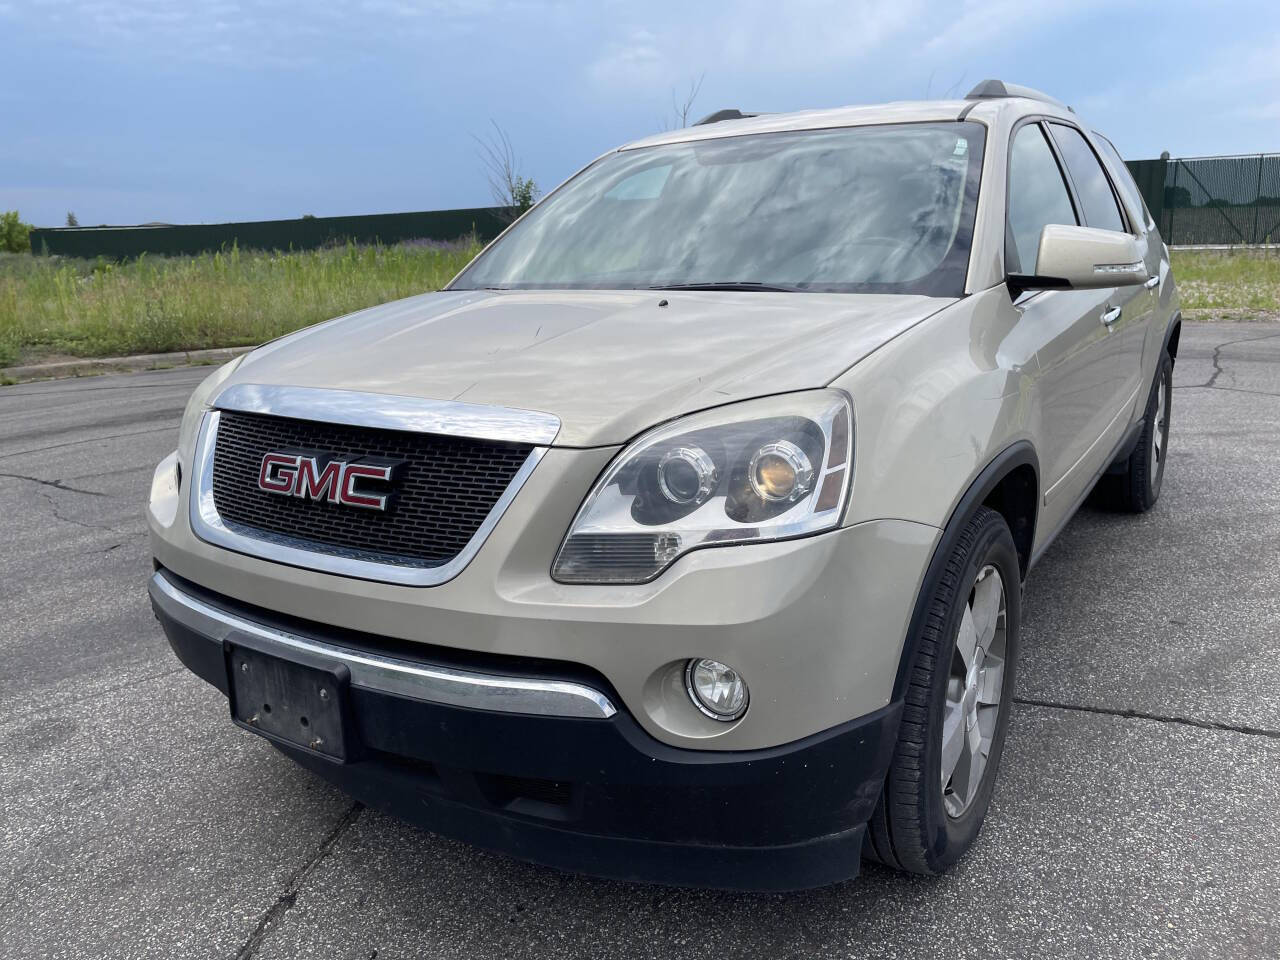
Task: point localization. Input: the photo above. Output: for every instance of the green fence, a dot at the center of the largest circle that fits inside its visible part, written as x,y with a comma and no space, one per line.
1195,200
117,243
1213,200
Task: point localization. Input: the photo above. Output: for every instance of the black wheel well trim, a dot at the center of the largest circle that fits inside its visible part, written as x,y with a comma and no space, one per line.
1019,454
1171,336
1119,462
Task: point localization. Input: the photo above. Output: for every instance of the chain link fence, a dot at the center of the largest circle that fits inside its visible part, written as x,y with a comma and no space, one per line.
1213,201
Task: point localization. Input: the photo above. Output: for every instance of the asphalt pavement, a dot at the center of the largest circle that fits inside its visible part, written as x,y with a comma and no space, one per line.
1136,814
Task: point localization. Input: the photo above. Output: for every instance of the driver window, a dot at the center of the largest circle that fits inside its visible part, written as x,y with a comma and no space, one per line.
1037,196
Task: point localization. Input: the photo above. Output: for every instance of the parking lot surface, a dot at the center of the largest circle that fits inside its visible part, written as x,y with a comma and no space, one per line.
1136,813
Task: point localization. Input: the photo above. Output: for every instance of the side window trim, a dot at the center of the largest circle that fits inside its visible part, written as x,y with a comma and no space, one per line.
1038,121
1106,174
1148,224
1076,202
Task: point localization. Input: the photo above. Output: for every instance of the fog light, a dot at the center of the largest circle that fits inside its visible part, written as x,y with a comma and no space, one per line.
716,689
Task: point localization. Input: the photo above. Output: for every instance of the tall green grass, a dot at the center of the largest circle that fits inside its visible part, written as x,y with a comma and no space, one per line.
154,305
1228,284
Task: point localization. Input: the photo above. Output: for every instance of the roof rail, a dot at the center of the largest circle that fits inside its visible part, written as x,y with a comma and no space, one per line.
730,114
995,89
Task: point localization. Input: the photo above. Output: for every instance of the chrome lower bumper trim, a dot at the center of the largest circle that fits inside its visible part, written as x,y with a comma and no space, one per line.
438,684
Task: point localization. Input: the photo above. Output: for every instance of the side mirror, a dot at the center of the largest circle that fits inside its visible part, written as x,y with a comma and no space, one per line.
1082,258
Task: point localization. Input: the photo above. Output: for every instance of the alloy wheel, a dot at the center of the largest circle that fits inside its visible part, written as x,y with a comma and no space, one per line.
1160,433
974,686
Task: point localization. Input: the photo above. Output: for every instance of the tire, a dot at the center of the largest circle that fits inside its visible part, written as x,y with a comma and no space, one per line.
921,824
1136,487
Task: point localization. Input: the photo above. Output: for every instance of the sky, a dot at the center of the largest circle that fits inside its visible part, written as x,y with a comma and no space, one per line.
220,110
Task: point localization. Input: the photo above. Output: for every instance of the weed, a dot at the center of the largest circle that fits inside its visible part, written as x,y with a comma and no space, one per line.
226,299
1241,284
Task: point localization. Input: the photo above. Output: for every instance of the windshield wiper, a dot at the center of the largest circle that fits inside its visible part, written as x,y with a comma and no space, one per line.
750,285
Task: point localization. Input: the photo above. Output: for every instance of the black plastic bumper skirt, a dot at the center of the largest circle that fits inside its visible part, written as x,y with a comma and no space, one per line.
598,796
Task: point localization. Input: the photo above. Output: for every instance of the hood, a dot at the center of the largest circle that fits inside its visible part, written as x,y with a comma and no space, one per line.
609,364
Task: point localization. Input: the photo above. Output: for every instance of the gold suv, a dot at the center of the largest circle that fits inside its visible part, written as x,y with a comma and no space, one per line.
682,536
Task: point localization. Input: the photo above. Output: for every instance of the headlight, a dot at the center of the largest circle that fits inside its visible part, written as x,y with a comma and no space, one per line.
199,404
761,470
166,483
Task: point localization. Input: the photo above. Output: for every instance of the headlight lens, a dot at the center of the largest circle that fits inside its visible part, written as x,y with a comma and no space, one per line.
687,475
780,472
761,470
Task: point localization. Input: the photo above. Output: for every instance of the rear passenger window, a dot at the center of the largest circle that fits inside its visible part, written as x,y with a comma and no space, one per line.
1037,197
1092,186
1123,180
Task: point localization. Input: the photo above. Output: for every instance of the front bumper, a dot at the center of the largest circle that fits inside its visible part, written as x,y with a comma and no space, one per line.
814,624
541,761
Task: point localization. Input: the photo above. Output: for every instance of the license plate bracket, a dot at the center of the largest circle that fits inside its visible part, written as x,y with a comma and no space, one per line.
300,701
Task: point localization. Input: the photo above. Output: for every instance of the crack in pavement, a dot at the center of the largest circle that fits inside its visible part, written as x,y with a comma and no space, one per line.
56,484
82,524
284,903
116,546
169,415
1156,717
1210,386
76,443
43,487
1217,356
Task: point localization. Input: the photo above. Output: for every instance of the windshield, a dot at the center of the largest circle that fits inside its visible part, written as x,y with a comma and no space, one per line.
885,209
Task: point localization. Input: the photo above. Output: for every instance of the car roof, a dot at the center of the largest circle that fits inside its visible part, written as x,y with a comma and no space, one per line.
989,111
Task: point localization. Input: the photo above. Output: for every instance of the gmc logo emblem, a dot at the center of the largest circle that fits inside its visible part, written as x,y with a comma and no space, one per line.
317,477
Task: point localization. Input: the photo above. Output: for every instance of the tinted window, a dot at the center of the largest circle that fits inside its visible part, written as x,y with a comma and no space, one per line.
1092,186
1037,196
1123,179
886,208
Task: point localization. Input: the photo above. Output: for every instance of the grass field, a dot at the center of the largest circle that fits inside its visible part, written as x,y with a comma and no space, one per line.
51,307
1228,285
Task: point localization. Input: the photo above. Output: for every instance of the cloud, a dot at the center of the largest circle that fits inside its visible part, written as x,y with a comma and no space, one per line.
806,36
636,59
984,22
242,32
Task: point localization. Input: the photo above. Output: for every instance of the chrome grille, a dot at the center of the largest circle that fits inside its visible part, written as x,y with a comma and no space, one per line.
445,490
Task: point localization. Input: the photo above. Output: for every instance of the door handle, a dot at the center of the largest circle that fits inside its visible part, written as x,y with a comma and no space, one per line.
1110,315
1152,282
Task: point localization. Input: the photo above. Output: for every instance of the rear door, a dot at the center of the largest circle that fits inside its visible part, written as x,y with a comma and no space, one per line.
1077,397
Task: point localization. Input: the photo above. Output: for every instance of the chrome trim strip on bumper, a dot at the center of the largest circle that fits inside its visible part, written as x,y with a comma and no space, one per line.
371,671
209,527
389,412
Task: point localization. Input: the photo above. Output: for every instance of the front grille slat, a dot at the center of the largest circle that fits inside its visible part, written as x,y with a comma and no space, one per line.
444,492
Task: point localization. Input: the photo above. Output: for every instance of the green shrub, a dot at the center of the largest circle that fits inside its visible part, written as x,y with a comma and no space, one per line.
15,236
524,193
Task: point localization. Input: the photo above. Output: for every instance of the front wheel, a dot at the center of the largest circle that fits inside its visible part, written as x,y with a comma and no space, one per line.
956,708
